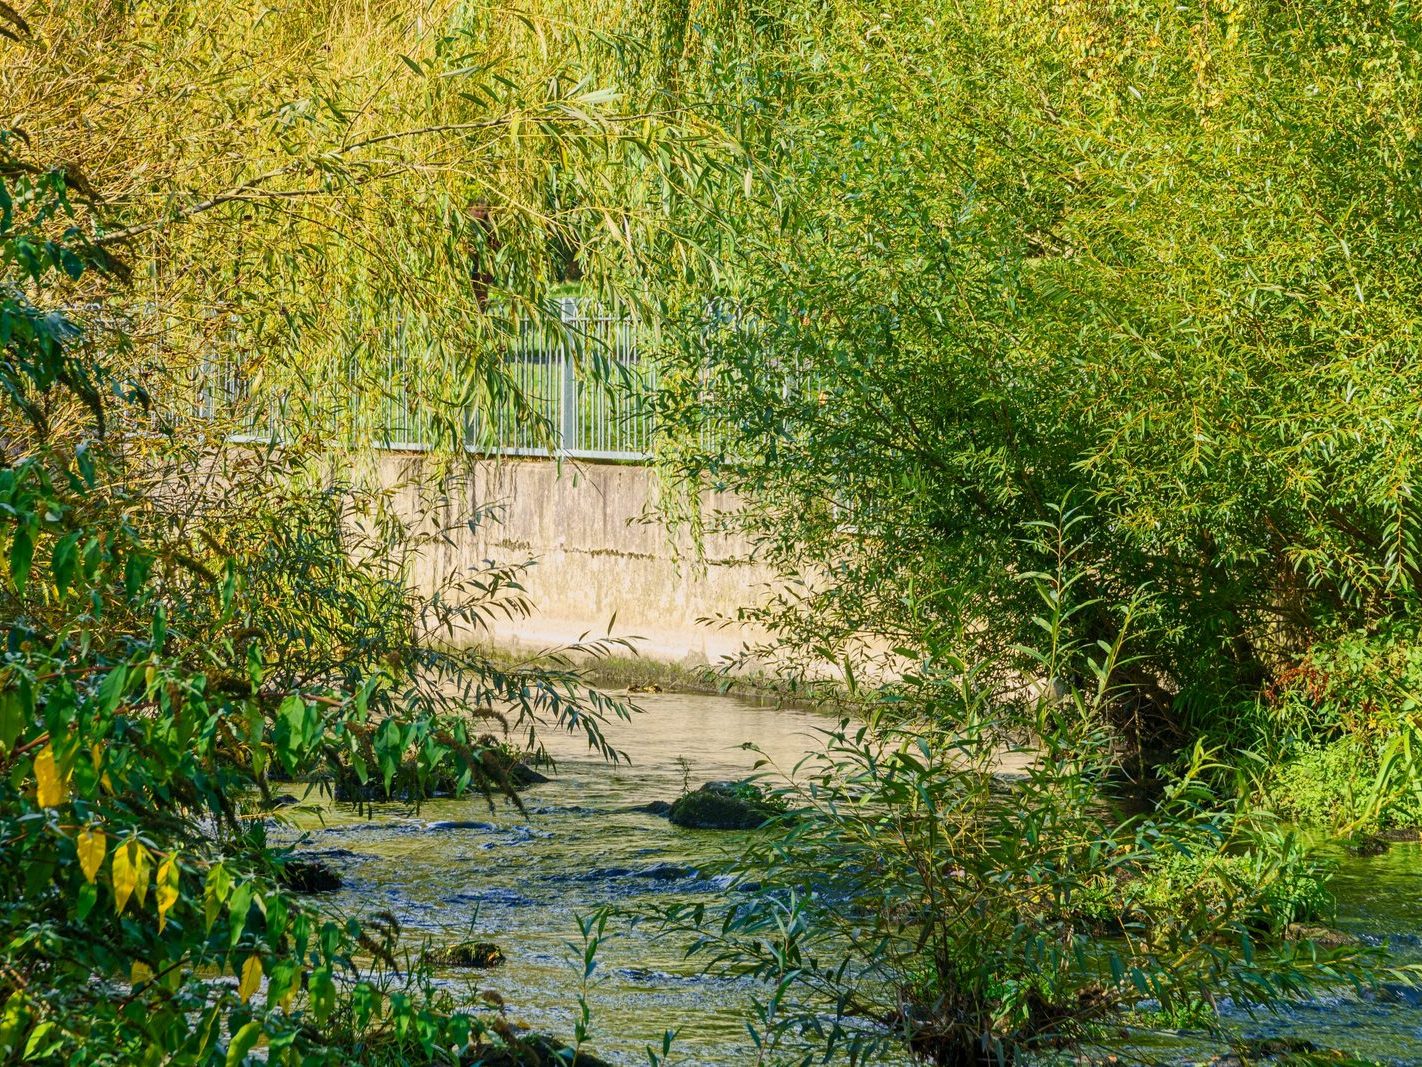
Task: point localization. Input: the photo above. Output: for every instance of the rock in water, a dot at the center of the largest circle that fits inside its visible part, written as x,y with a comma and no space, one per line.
722,806
535,1050
481,954
522,776
1322,936
310,876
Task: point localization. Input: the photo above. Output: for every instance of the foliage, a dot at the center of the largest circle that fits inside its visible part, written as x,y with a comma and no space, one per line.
181,623
1156,260
1267,889
337,214
933,887
1343,723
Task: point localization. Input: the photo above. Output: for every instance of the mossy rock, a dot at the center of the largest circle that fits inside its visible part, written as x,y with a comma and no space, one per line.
1368,845
499,767
534,1050
310,876
1322,936
723,806
479,954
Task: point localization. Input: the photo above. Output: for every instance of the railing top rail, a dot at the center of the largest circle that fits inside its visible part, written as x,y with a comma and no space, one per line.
606,420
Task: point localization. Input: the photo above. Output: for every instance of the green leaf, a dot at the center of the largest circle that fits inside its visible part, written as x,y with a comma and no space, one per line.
216,889
12,718
22,556
322,989
63,560
35,1047
243,1042
238,906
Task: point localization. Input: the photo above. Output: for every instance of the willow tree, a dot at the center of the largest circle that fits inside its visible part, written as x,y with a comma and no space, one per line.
1150,261
302,191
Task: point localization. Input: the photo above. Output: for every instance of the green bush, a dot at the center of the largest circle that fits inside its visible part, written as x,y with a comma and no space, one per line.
1266,891
1001,263
180,625
979,918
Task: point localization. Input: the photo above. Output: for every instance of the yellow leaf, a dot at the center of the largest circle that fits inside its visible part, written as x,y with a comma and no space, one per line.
142,870
91,852
167,889
140,973
251,978
125,872
52,789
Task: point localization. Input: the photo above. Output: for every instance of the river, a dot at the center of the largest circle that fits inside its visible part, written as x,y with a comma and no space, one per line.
457,870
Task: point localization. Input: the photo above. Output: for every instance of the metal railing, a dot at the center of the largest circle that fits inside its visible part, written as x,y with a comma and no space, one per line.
580,389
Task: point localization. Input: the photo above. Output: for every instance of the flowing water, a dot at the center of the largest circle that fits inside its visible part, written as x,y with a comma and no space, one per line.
458,871
1380,902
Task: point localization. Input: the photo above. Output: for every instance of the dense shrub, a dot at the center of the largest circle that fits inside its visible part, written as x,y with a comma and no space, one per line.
1159,261
934,887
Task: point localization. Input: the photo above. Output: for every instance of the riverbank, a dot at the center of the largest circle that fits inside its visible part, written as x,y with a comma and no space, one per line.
459,870
636,675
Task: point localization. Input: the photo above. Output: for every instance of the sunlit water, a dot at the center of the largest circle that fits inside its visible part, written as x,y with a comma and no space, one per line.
1380,902
457,870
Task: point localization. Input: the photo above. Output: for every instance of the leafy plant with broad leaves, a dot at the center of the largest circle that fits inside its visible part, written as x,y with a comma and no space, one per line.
180,622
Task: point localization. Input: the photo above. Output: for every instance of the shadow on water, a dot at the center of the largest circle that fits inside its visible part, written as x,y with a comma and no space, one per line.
458,871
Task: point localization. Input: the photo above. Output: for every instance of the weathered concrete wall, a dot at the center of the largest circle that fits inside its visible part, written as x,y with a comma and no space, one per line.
596,549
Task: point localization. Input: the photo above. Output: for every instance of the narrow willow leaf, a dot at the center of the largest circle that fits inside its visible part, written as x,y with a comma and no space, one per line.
92,847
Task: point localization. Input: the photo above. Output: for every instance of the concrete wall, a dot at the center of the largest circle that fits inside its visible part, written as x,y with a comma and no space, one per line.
596,548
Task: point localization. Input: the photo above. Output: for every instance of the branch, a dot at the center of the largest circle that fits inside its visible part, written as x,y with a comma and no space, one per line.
252,188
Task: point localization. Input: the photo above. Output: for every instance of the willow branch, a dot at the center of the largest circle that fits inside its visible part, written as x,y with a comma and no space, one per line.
252,189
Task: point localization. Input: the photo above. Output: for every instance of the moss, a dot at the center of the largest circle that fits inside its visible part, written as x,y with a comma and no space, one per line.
724,806
480,954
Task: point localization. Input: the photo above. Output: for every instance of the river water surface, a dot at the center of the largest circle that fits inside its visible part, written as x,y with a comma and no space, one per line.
457,870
